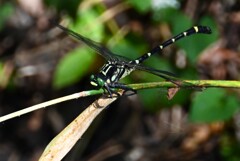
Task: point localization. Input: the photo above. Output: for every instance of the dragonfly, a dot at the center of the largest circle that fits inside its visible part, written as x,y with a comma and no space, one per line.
118,67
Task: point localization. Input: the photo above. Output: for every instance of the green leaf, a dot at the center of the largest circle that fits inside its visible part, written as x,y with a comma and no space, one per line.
213,105
169,15
155,99
141,6
76,63
73,67
6,10
84,24
129,49
160,15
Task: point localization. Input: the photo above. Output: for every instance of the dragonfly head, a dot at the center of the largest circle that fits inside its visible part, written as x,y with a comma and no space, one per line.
96,81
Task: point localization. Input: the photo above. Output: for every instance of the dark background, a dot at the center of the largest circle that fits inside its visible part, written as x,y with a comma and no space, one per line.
39,63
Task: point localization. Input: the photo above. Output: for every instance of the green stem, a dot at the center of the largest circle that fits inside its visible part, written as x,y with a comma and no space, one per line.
188,84
183,84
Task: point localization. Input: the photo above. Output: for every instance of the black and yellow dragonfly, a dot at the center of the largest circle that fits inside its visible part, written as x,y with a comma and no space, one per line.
117,67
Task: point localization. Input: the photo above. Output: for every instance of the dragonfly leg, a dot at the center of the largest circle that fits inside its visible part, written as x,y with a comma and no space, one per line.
125,88
108,90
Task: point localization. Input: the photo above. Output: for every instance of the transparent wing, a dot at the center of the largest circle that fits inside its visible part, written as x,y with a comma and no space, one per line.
161,73
164,74
167,76
99,48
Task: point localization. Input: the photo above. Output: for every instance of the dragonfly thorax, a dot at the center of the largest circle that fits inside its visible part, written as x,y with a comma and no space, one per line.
109,74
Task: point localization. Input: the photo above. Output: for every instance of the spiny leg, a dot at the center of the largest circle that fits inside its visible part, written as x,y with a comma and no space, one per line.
109,90
123,87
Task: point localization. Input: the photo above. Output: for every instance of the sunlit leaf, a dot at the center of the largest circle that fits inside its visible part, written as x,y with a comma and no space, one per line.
84,25
73,67
77,62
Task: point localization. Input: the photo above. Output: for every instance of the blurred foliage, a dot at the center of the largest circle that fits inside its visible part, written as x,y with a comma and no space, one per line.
70,6
127,47
76,63
157,98
230,148
213,105
180,22
1,73
6,9
83,24
73,67
70,70
141,6
206,106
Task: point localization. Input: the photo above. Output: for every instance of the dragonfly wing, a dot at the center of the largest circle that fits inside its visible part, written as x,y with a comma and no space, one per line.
161,73
99,48
167,76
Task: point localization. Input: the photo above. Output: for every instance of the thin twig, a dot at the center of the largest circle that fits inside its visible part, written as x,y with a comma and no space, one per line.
188,84
49,103
191,84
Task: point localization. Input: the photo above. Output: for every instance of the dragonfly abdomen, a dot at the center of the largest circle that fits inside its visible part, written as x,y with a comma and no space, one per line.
157,49
117,67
